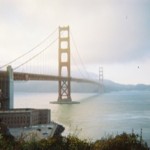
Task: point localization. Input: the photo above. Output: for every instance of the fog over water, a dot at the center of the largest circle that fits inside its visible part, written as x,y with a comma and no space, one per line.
97,115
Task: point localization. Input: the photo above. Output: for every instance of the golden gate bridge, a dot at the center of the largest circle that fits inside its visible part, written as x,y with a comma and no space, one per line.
8,77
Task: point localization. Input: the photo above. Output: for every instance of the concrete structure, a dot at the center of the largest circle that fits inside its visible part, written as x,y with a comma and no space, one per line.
6,89
15,118
36,132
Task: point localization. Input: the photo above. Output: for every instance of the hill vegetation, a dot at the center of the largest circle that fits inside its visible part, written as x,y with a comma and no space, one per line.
123,141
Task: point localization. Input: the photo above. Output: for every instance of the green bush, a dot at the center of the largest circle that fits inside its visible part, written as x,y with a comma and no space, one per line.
123,141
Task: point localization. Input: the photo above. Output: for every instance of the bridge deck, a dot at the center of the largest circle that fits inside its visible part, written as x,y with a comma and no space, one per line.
18,76
29,76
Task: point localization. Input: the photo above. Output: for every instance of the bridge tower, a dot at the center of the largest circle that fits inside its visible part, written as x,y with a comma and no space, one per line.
101,79
6,89
64,89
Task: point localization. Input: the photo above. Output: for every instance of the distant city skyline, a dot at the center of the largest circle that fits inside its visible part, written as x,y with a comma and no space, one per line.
113,34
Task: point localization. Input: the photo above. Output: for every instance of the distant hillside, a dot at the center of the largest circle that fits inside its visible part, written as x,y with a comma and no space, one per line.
112,86
52,86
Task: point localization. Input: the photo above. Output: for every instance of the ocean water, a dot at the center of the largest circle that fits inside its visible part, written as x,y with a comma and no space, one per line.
97,115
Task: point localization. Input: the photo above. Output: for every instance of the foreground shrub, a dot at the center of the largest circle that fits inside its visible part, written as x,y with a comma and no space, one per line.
123,141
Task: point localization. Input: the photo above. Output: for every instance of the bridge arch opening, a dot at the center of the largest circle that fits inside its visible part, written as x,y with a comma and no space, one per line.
64,57
64,34
64,71
64,45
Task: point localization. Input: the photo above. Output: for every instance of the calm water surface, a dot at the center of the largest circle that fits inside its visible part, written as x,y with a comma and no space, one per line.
97,115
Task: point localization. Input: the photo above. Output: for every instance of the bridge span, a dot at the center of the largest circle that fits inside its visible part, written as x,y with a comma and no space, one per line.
8,77
19,76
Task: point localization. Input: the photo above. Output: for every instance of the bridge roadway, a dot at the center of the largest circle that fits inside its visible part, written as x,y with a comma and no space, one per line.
18,76
30,76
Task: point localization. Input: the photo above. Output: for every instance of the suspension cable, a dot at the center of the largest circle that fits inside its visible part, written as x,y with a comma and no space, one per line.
45,39
79,55
36,54
78,67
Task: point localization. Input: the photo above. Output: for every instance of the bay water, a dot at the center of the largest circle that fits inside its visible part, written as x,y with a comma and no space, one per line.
97,115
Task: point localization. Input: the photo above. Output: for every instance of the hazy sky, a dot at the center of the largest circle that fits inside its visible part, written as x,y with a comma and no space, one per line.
114,34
